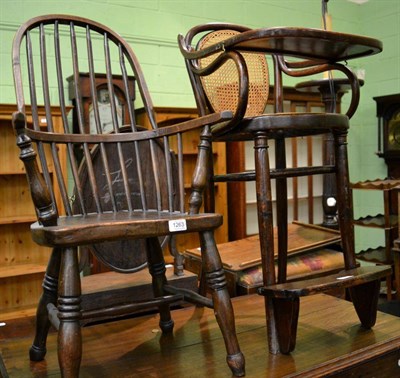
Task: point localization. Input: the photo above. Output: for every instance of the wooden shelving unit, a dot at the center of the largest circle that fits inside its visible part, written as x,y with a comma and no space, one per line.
22,262
387,222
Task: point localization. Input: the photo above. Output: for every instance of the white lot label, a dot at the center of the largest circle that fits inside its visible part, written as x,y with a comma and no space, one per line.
177,225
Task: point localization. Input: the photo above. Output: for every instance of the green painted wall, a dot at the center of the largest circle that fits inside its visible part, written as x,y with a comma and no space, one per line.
151,27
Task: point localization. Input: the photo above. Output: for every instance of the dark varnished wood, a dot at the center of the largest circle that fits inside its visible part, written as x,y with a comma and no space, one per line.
302,42
118,191
331,343
321,51
346,278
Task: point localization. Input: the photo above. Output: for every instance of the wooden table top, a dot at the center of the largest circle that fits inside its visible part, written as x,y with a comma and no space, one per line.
329,340
301,42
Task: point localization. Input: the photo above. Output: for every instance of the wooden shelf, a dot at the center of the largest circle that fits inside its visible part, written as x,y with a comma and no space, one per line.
18,219
22,312
378,184
21,270
373,255
377,221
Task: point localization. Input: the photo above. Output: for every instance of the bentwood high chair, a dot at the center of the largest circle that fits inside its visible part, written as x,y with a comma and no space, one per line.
227,78
105,179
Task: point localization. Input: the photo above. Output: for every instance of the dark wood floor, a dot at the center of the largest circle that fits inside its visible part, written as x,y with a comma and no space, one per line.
330,342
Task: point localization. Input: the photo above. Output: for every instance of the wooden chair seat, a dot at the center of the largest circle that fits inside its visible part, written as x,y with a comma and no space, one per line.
286,125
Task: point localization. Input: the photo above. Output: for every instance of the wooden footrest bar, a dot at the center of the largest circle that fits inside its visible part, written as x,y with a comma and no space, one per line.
343,279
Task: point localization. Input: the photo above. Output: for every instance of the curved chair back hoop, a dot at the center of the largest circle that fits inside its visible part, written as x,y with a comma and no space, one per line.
77,28
223,85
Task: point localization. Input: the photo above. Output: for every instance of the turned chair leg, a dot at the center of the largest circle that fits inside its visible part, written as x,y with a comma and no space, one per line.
266,232
157,270
37,351
364,297
216,282
69,313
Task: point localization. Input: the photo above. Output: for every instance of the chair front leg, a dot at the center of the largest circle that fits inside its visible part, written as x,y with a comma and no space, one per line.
49,296
69,313
266,232
223,310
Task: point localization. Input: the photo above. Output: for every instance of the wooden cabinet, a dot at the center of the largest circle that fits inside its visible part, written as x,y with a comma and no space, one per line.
169,115
22,261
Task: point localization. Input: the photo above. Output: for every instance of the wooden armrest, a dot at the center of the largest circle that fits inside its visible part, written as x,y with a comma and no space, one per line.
195,123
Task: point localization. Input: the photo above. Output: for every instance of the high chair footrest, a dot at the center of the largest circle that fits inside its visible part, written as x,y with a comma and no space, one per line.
343,279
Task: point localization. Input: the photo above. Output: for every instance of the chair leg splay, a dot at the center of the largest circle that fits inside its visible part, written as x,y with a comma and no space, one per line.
223,310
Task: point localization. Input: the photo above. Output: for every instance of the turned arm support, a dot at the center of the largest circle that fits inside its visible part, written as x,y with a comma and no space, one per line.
43,203
201,174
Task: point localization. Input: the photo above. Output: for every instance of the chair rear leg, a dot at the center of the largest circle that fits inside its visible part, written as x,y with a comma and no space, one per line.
286,320
38,350
365,296
215,279
365,299
69,313
157,270
345,200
